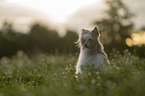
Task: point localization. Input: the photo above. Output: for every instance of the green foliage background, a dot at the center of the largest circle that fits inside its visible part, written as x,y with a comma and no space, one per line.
39,39
115,27
30,73
54,75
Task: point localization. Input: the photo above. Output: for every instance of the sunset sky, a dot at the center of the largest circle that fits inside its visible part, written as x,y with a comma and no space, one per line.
61,14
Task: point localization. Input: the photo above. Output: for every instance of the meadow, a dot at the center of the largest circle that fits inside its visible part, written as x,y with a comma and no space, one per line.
54,75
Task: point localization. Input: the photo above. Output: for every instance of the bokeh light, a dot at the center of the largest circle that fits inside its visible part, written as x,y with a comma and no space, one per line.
137,39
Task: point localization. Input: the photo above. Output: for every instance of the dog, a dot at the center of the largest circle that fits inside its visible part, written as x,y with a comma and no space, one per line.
91,52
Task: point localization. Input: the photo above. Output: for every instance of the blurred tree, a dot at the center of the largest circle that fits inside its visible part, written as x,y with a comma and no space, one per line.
38,39
143,28
68,45
42,39
117,25
10,40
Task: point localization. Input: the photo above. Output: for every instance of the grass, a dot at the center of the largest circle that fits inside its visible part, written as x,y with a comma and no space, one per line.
54,75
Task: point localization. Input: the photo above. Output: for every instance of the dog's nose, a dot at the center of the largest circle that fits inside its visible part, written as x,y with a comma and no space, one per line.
85,44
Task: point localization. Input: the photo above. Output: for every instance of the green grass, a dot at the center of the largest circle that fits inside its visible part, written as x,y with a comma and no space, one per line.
54,75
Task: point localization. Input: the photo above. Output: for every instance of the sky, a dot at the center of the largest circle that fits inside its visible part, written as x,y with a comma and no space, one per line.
61,14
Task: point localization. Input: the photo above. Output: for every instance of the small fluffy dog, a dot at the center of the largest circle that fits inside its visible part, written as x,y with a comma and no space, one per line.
91,52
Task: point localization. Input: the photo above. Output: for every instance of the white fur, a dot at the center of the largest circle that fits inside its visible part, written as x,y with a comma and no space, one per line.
97,59
90,57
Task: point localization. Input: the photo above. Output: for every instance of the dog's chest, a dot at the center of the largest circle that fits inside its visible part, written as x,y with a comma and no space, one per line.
95,59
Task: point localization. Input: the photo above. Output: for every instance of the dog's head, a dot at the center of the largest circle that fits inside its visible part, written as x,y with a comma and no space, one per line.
88,39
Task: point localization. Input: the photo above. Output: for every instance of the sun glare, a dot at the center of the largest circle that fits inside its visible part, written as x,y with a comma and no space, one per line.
58,10
137,39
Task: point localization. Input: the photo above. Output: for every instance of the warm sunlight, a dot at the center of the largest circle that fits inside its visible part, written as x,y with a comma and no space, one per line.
57,10
72,47
137,39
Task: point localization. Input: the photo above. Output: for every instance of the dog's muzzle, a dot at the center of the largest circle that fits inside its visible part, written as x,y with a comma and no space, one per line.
85,44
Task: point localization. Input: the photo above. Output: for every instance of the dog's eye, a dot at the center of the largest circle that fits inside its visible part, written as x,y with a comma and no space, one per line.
90,40
83,41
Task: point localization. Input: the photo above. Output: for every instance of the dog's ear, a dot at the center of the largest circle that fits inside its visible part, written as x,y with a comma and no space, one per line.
83,31
95,32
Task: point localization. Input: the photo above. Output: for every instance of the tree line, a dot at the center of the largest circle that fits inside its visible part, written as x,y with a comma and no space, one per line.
114,28
117,26
39,39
